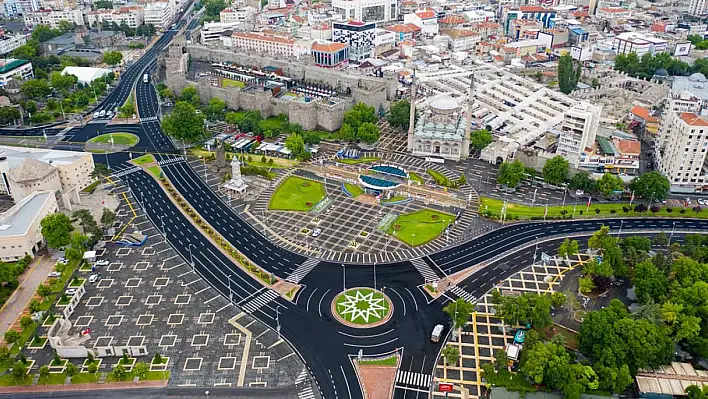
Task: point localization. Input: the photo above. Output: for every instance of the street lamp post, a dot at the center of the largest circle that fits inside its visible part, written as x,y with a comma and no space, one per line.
231,294
162,221
672,232
374,276
620,230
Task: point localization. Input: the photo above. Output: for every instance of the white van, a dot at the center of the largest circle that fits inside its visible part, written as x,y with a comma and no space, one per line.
437,333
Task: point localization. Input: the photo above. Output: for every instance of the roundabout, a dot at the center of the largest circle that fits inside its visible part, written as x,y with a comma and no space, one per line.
362,308
111,142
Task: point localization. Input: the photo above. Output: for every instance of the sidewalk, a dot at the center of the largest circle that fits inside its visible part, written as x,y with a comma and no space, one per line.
83,387
29,281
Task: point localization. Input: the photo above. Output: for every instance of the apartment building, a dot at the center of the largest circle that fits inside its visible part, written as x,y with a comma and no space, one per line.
426,20
20,230
133,16
58,4
462,39
270,44
578,130
403,32
366,10
15,8
698,8
237,15
159,14
360,37
213,31
53,17
8,43
640,43
613,13
12,68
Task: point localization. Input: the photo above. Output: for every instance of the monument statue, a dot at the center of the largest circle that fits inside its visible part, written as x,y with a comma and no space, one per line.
236,184
220,155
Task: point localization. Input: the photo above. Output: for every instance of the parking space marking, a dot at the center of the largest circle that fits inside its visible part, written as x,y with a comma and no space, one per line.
226,363
183,299
206,318
124,300
175,319
193,364
200,340
161,282
114,320
145,319
167,341
133,282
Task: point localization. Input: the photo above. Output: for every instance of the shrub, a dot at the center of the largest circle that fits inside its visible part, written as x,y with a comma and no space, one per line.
11,336
92,368
682,211
697,209
654,209
26,322
71,369
626,209
34,306
613,211
669,210
597,210
640,208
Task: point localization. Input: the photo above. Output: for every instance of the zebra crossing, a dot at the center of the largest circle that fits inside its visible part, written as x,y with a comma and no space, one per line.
461,226
170,161
126,171
259,301
413,378
304,388
463,294
425,270
302,270
149,119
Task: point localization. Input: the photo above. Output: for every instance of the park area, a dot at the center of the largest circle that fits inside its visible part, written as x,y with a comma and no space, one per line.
362,306
492,208
124,139
297,194
420,227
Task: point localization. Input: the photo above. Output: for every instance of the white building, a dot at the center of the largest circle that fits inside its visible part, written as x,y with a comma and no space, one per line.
698,8
20,230
360,37
9,43
270,44
159,14
683,135
237,15
85,75
578,130
212,31
613,13
366,10
635,42
15,8
52,17
426,20
462,39
133,16
12,68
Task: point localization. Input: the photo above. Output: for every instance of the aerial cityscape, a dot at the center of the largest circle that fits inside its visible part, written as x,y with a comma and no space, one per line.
356,199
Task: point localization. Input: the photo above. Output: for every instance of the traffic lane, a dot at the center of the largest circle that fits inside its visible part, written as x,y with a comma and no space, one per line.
238,232
214,266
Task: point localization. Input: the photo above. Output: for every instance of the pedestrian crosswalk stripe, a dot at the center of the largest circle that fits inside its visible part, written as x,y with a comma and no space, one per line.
148,119
169,161
413,378
425,270
302,270
258,302
463,294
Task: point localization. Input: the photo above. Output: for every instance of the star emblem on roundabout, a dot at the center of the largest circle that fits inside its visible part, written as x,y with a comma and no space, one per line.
363,306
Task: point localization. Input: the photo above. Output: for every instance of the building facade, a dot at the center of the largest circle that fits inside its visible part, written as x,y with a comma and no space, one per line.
270,44
578,130
366,10
133,16
9,43
20,230
12,68
53,17
330,55
159,14
237,15
360,37
15,8
698,8
634,42
426,20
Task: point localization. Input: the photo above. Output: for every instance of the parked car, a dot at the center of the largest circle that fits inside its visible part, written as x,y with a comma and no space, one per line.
70,291
63,261
96,115
55,274
93,278
102,262
701,201
316,232
437,333
102,113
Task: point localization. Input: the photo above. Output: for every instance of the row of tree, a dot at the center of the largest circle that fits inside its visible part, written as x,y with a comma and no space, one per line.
646,66
359,125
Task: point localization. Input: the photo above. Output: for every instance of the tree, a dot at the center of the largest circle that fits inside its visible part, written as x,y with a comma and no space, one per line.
568,248
609,183
649,282
586,284
56,229
26,322
451,354
71,369
19,369
127,110
44,371
661,239
399,114
185,124
567,75
582,181
44,290
9,115
360,113
106,4
547,363
62,82
100,170
296,145
696,392
459,312
92,368
652,185
27,51
112,57
215,110
78,245
368,133
107,217
212,8
555,170
558,299
11,336
191,95
119,372
4,353
511,173
141,369
346,133
43,33
480,138
36,88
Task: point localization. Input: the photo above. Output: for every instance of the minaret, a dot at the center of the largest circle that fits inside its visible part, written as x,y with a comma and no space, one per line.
411,121
468,120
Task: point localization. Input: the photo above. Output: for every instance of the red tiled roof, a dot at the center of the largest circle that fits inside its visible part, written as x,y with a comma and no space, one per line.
629,146
640,112
403,28
426,14
452,20
329,47
264,37
693,119
613,10
533,9
459,33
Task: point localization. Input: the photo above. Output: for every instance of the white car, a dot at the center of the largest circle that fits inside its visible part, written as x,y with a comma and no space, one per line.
63,261
102,113
55,274
70,291
316,232
96,115
93,278
102,262
701,201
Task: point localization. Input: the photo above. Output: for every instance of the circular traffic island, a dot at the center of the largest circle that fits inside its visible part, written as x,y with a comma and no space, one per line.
362,307
111,142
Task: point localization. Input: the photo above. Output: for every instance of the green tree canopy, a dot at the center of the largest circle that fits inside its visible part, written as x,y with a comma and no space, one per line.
511,173
215,110
652,185
184,124
63,82
191,95
609,183
56,229
480,138
112,57
567,75
368,133
459,312
296,144
582,181
360,113
42,33
555,170
399,114
36,88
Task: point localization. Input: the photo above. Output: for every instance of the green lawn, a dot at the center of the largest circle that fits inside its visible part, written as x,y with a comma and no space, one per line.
492,208
9,380
91,187
395,198
155,171
439,178
354,190
151,376
414,177
226,83
372,303
82,378
354,161
297,194
419,227
53,379
143,159
389,361
128,139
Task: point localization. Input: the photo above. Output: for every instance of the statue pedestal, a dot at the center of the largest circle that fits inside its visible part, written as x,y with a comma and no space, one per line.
235,186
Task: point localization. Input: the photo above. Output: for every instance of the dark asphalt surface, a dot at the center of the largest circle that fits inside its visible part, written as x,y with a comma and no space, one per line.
307,323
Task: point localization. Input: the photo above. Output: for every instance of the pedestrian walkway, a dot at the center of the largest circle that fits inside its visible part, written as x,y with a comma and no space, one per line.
413,378
259,301
170,161
149,119
463,294
306,267
425,270
125,172
35,274
304,388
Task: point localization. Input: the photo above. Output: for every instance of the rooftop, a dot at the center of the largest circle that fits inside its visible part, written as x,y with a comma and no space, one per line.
329,47
15,155
10,64
694,119
30,169
17,220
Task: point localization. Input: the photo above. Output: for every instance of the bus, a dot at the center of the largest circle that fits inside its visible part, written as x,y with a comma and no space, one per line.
145,78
